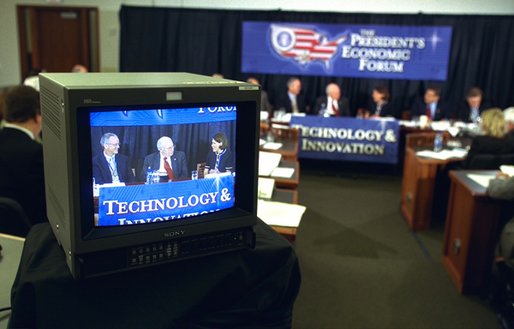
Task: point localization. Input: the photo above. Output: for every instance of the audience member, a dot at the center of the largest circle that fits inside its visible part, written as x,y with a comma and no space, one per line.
430,105
21,156
221,158
292,101
333,103
109,166
471,110
166,160
79,68
265,104
493,141
380,106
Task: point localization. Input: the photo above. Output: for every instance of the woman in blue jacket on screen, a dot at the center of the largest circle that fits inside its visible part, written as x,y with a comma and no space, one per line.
221,158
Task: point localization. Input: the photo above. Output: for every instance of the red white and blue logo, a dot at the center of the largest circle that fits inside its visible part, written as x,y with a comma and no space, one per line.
304,45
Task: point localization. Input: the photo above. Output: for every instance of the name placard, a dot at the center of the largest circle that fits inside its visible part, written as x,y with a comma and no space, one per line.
347,139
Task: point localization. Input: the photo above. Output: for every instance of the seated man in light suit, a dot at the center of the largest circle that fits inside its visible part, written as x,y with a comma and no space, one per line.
166,160
109,166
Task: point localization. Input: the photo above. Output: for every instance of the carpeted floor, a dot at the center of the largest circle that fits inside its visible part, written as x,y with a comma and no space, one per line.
361,266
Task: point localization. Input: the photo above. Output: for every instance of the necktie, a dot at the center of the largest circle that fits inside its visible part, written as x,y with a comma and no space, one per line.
294,105
335,110
114,170
168,169
428,112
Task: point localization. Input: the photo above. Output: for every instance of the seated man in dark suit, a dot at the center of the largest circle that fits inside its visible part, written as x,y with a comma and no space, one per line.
333,103
109,166
221,158
430,106
471,110
380,106
166,160
21,156
292,101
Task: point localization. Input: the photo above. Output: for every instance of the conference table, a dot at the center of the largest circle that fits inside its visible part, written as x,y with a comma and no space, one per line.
471,230
420,176
12,247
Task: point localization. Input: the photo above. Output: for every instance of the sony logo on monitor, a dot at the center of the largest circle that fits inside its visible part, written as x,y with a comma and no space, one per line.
174,234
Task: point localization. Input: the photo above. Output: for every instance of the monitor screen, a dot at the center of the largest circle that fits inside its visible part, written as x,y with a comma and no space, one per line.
159,164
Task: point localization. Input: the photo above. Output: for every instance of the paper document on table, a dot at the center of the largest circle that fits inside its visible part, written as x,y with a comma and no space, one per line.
268,162
261,142
272,146
443,155
481,179
282,172
279,213
265,188
507,169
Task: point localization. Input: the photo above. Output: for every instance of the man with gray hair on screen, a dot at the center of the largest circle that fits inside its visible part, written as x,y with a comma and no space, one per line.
167,160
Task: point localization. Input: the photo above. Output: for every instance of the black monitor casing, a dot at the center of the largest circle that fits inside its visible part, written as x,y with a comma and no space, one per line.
67,98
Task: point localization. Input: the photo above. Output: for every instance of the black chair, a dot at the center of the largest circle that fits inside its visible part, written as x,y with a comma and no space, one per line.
13,219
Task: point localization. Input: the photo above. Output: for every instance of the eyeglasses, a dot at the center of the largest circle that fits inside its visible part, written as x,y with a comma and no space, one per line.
114,144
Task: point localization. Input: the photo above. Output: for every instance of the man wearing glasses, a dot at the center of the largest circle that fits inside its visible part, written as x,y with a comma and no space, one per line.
109,166
171,163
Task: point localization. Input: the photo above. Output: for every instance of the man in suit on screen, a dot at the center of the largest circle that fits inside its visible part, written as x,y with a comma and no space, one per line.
167,159
109,166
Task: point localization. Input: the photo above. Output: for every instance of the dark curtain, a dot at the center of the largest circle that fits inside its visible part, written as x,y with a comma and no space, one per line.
194,140
209,41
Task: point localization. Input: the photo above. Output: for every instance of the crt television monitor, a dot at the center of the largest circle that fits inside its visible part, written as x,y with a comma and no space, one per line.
132,213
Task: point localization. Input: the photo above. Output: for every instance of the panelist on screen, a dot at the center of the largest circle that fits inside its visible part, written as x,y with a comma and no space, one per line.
109,166
221,158
166,159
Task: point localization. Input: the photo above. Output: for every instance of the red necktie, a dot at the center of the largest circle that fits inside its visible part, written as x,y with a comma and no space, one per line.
168,169
335,110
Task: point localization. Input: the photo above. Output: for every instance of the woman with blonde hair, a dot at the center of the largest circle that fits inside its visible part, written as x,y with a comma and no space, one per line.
493,122
486,149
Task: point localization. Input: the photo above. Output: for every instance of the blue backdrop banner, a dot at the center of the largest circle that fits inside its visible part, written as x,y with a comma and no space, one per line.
347,139
361,51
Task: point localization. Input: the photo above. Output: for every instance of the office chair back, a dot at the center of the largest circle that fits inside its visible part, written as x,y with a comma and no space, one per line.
13,219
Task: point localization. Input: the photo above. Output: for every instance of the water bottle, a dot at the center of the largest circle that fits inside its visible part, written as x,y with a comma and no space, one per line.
438,142
149,175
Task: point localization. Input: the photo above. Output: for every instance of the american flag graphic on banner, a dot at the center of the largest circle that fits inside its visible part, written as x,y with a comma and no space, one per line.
303,45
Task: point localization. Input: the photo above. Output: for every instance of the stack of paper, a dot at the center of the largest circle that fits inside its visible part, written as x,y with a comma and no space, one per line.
506,169
265,188
444,154
268,162
481,179
279,213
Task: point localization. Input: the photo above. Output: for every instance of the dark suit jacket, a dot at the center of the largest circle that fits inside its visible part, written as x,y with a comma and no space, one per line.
284,102
227,160
464,110
482,145
178,164
102,173
342,103
21,172
386,111
419,108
